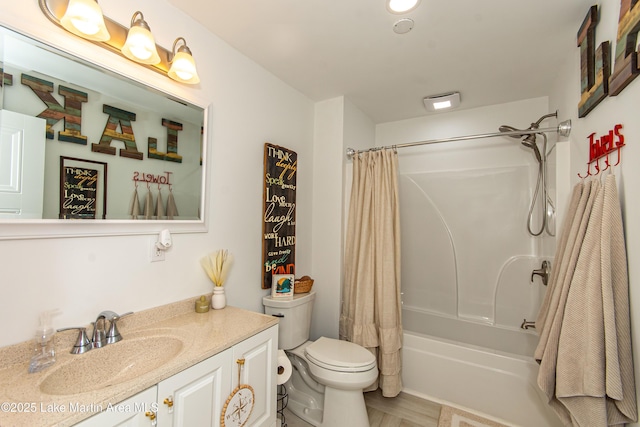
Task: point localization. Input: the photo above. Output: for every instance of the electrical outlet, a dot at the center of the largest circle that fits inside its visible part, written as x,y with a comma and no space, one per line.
156,254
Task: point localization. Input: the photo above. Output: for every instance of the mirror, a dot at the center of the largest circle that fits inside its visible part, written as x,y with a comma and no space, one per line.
84,150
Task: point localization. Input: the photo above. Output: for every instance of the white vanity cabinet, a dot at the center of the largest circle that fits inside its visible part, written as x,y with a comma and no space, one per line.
136,411
260,354
195,397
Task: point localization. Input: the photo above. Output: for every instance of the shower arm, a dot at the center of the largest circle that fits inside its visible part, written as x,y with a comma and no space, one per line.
563,129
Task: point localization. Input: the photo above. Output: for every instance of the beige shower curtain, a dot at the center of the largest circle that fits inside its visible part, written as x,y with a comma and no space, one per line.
371,307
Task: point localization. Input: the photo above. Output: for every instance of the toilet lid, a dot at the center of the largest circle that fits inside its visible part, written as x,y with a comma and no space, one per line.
340,355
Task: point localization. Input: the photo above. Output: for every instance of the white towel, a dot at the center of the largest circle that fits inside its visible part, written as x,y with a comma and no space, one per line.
547,350
586,365
576,197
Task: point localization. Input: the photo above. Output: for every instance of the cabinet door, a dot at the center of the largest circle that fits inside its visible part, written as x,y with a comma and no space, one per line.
259,371
129,413
194,397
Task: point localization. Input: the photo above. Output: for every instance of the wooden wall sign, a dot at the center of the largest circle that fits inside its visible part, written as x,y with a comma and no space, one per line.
595,65
279,212
596,79
71,114
79,188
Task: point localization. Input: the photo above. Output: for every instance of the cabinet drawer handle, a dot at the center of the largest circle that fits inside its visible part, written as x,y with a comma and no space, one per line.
169,401
151,415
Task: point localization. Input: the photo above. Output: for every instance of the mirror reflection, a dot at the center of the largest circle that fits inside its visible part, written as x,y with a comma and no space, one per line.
79,142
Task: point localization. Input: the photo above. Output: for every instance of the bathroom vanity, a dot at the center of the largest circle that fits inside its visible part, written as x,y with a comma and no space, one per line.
174,367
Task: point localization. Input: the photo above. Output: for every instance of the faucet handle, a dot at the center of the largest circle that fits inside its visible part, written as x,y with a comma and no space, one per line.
113,335
83,344
543,272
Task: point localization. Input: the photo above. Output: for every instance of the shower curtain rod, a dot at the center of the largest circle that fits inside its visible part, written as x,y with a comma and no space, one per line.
563,129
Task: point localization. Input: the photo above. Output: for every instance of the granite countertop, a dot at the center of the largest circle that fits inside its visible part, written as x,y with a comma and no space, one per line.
175,331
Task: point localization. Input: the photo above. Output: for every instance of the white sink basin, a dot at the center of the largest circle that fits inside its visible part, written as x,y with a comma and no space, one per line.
111,365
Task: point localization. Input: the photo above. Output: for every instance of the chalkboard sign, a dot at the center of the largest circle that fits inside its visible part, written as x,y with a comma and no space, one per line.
279,213
79,188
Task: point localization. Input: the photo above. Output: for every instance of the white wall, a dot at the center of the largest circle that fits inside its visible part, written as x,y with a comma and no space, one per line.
83,276
619,109
338,125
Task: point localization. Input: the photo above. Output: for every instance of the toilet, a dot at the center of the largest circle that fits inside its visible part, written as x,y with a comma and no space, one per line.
328,375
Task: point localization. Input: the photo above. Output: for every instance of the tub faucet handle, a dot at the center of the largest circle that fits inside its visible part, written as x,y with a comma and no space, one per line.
543,272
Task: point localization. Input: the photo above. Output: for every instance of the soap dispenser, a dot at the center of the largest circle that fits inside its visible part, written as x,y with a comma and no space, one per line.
44,353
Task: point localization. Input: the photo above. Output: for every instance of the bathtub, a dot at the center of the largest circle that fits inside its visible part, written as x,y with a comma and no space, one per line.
479,367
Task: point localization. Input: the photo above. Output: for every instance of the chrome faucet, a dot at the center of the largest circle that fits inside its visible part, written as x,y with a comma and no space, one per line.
527,325
102,336
98,337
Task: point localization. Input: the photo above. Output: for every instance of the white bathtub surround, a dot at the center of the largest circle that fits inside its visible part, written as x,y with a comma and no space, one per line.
586,365
371,306
481,380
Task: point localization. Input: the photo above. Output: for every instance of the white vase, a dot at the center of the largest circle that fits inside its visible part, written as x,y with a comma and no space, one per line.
218,299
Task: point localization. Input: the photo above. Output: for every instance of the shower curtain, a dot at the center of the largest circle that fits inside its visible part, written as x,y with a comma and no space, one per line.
586,365
371,306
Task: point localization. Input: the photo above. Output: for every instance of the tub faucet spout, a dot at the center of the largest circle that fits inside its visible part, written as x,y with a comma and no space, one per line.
527,325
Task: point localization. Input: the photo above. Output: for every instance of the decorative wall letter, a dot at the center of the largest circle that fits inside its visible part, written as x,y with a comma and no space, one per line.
172,143
626,62
6,79
594,65
172,140
71,112
124,119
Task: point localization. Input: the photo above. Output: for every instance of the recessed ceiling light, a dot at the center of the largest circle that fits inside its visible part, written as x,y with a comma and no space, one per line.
445,101
402,6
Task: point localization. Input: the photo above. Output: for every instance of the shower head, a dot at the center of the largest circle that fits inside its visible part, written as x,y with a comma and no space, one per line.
534,126
528,140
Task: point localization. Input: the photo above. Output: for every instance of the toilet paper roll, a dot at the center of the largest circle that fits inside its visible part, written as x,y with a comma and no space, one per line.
284,367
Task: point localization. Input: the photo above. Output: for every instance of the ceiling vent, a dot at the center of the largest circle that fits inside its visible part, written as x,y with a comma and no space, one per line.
445,101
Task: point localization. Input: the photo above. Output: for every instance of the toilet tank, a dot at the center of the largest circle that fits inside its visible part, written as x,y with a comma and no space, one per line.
294,318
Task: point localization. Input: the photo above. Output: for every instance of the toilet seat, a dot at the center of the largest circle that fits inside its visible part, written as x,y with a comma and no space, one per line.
340,356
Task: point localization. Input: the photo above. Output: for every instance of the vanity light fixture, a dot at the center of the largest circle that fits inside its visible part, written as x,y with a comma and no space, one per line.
84,18
402,6
140,45
145,53
445,101
183,67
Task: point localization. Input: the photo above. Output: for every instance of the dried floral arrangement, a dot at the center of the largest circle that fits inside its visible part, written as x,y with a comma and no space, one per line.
217,265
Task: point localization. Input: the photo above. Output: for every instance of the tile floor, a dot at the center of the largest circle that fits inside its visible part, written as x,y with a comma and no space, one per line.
402,411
